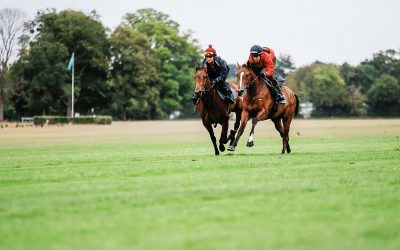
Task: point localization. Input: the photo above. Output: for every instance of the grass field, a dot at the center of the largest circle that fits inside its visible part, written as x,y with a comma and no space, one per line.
157,185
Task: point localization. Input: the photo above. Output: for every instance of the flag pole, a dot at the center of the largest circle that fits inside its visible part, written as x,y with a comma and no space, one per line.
72,101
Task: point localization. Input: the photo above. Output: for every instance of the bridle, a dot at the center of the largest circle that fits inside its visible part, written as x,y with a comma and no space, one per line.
253,76
205,89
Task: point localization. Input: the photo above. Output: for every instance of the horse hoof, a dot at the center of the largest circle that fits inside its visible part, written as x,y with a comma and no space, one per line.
250,144
221,147
231,148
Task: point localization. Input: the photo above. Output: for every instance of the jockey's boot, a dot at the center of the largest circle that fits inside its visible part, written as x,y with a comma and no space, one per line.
278,96
228,94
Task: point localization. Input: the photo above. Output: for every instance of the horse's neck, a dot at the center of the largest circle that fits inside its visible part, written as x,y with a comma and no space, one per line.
258,88
209,98
210,101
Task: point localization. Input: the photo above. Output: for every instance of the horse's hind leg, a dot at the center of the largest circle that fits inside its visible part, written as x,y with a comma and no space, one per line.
286,128
235,128
223,139
212,136
278,125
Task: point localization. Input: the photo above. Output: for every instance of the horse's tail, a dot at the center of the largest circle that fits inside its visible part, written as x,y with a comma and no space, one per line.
296,111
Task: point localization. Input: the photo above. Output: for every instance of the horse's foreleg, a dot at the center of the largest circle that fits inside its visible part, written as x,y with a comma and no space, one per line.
243,122
250,141
224,133
278,126
286,128
212,136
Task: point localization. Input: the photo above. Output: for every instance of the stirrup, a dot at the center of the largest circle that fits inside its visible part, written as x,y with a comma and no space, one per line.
229,100
281,99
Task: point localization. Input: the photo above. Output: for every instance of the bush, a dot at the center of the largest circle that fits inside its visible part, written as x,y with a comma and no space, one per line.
40,120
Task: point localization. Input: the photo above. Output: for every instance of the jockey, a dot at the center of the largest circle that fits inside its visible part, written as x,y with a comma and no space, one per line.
217,70
259,60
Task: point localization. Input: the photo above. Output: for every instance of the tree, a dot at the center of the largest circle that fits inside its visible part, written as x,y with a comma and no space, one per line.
284,65
55,36
384,96
11,26
322,85
386,62
134,74
176,56
45,70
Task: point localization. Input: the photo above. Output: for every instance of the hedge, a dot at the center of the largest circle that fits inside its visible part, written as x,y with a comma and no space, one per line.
41,120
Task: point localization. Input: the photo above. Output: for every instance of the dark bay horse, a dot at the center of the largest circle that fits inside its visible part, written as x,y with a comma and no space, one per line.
258,104
213,110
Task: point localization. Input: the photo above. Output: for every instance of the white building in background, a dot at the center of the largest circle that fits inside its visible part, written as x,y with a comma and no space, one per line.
175,114
306,109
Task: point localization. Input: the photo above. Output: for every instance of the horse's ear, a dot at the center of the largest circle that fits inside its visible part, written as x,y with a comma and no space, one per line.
238,65
196,67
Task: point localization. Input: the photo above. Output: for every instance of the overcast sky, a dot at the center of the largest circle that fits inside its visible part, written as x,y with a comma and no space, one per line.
334,31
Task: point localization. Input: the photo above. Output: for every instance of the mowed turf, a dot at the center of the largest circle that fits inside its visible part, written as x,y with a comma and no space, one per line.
157,185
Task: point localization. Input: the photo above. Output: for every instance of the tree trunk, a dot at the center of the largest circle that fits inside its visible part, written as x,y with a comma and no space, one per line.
2,95
1,106
124,114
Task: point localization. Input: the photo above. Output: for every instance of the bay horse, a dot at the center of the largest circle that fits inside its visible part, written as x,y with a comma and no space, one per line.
258,104
213,110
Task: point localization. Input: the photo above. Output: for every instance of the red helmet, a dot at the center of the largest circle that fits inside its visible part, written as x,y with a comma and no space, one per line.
210,51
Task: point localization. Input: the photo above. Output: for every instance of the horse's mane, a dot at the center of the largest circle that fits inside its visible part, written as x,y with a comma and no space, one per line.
200,67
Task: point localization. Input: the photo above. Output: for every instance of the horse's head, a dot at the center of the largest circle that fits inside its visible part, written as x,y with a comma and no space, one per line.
202,81
245,77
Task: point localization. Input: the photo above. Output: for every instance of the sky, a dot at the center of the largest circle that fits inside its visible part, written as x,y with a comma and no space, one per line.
331,31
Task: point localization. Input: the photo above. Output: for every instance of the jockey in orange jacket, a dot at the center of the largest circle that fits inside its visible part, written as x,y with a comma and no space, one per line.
259,60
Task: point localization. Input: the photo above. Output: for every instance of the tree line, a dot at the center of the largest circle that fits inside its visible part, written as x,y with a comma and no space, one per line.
370,88
143,69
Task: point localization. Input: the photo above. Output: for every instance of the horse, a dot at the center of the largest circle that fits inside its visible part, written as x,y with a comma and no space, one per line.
214,110
258,104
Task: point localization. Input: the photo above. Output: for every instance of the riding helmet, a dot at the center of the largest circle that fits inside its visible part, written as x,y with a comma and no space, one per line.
256,49
210,51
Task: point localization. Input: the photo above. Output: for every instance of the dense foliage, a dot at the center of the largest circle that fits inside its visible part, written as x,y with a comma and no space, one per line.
372,87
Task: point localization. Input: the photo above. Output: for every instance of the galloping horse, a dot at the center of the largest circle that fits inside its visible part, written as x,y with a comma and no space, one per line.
258,104
213,110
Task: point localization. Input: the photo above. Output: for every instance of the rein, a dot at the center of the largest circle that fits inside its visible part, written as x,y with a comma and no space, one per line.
205,90
254,79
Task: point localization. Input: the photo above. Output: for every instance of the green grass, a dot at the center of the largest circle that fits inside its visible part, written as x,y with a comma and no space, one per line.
330,193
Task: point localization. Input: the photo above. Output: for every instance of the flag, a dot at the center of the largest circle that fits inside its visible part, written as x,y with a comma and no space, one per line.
71,62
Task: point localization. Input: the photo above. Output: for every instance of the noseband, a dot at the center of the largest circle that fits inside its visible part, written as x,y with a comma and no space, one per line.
248,85
204,90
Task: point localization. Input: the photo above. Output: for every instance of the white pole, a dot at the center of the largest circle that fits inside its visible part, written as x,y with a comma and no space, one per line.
72,101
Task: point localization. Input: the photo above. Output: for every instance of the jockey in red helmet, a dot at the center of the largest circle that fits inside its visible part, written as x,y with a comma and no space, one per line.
217,70
260,60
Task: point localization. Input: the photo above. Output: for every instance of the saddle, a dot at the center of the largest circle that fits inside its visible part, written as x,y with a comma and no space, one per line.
223,95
